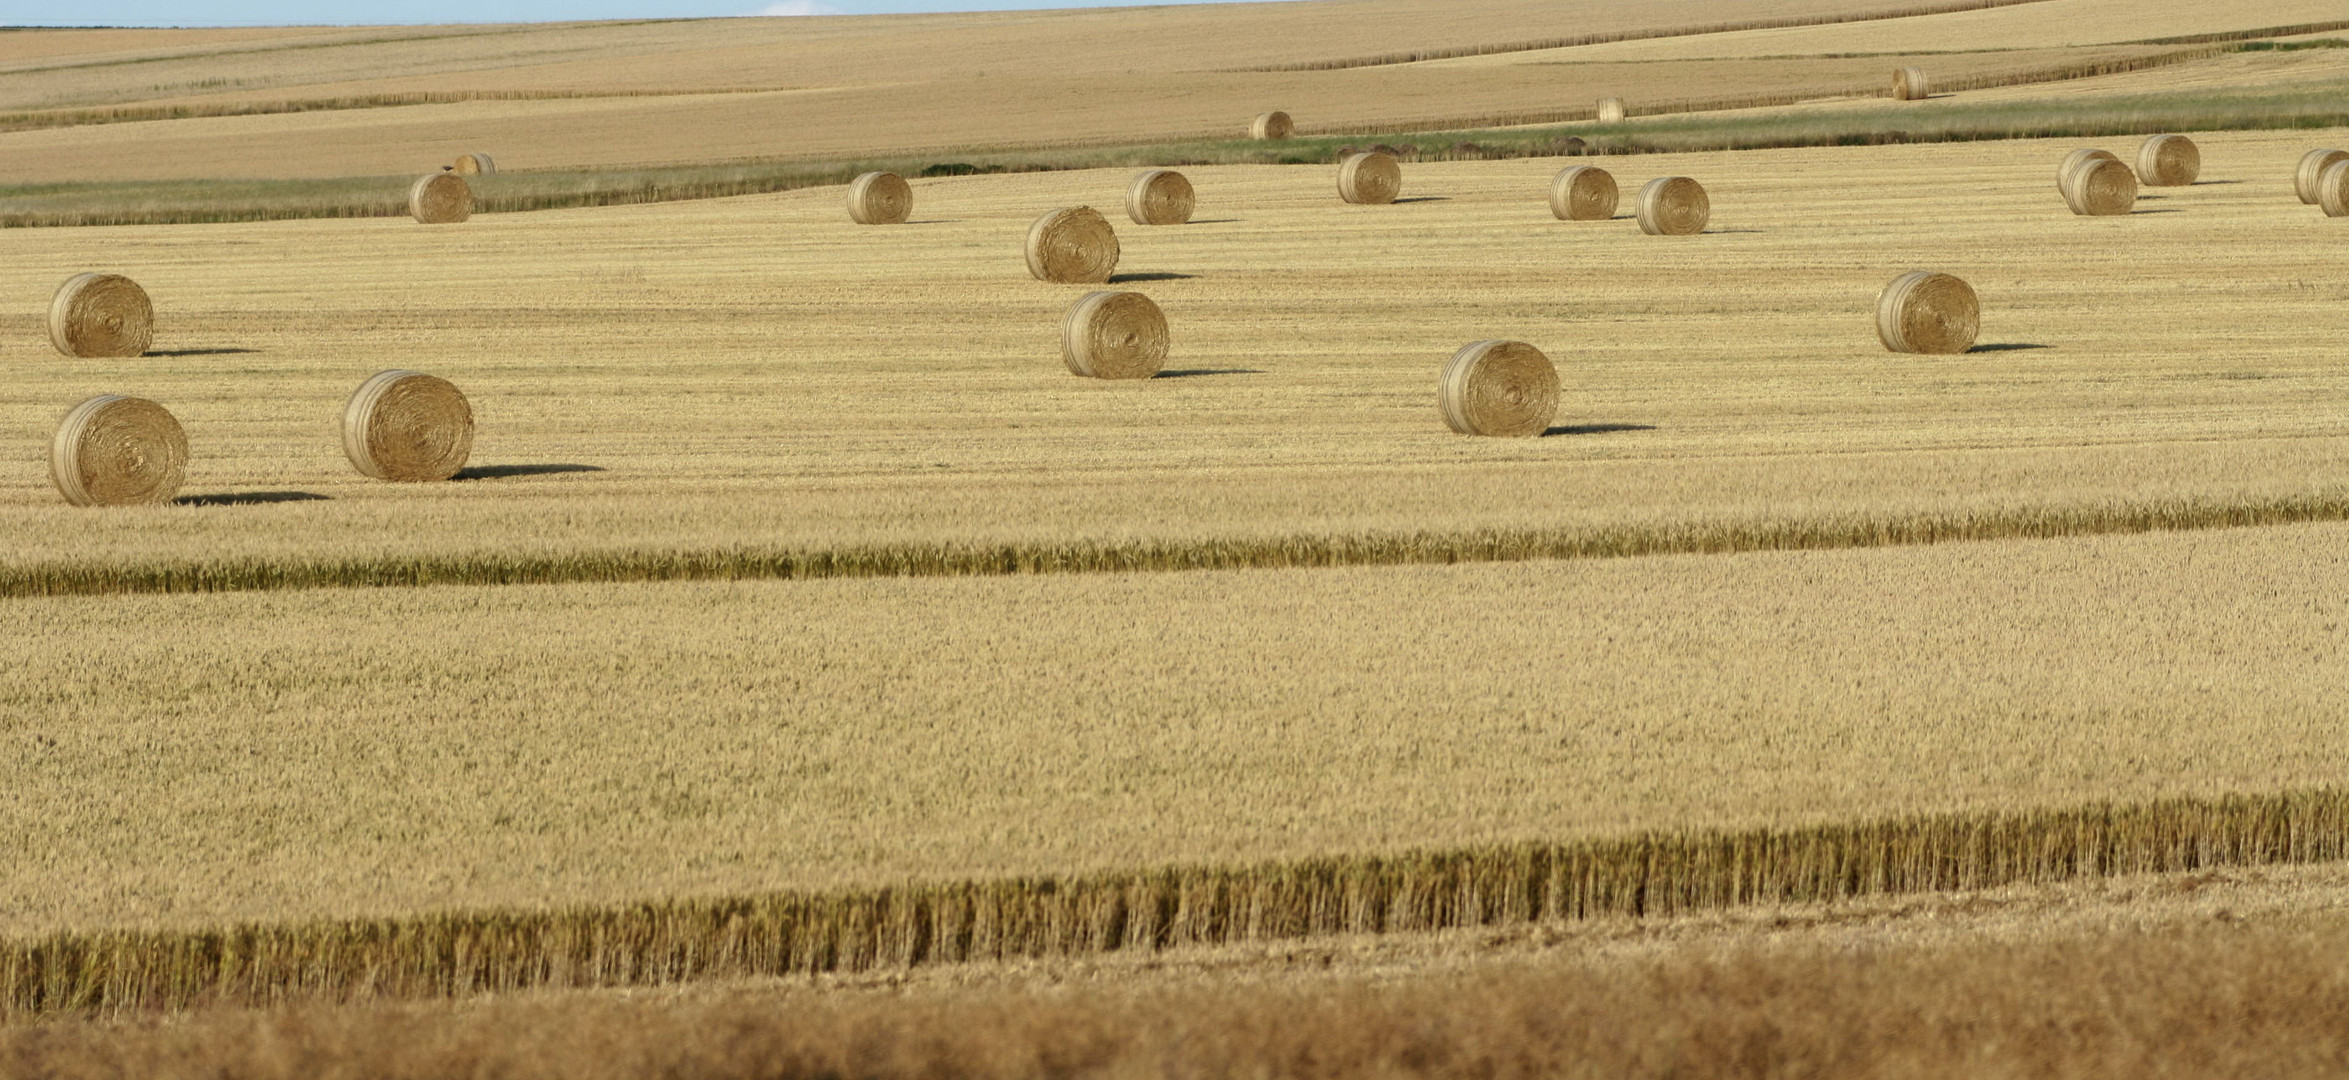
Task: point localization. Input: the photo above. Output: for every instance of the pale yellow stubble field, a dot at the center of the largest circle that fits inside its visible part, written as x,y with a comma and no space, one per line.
191,760
761,371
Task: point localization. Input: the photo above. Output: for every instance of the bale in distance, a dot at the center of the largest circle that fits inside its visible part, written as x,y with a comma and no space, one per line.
1272,125
2077,158
473,165
1114,335
408,426
2312,166
1924,312
1160,197
1584,193
441,198
1610,110
1373,178
95,315
2101,187
1072,245
113,450
1673,206
880,198
2168,161
1908,84
2332,190
1505,388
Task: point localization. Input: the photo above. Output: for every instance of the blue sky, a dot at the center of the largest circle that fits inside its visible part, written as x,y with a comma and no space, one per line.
267,12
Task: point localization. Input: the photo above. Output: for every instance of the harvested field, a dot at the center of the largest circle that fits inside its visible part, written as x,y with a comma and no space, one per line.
710,354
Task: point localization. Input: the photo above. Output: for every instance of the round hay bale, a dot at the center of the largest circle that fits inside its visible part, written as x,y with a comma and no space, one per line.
1374,178
2168,161
2312,166
1499,388
1272,125
1072,246
1584,193
2332,189
1610,110
2101,187
1114,335
406,425
2074,159
1673,206
1925,312
473,165
441,198
1572,146
880,198
1908,84
101,315
116,451
1160,197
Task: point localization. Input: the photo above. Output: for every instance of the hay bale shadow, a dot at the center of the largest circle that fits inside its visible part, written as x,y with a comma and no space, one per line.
1594,429
495,472
249,498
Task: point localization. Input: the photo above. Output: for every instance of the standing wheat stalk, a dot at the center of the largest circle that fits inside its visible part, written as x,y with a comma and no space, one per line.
408,426
1505,388
101,315
1925,312
1114,335
117,451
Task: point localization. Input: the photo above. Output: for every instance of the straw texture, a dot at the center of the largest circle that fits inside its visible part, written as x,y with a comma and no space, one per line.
2312,167
1114,335
2077,158
2101,187
2332,189
1371,178
473,165
1505,388
1673,206
408,426
101,315
1272,125
1072,246
1610,110
441,198
1583,193
880,198
2168,161
1160,197
1908,84
1925,312
118,451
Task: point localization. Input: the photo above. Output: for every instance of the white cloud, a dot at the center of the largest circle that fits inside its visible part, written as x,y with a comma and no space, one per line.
797,7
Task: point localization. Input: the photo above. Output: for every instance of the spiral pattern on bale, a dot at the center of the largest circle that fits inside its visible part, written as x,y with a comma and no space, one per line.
473,165
1584,193
1611,110
2312,167
1673,206
441,198
117,451
1072,246
2168,161
101,315
408,426
1160,197
2101,187
1925,312
1505,388
880,198
1374,178
1114,335
2332,190
1272,125
1908,84
2077,158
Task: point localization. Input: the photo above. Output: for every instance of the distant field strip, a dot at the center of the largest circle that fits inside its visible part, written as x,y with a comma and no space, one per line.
963,559
670,941
1417,56
126,114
